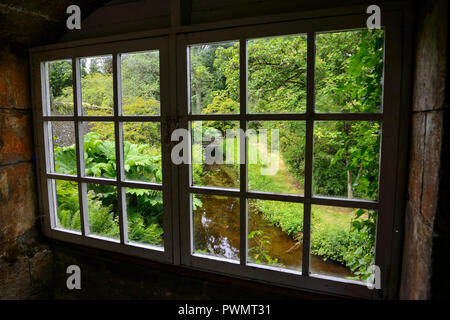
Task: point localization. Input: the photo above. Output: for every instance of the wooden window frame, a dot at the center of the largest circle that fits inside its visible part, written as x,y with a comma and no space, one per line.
174,113
44,149
387,117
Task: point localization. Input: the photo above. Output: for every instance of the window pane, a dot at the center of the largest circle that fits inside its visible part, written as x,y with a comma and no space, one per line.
214,78
60,88
142,151
99,149
277,74
67,205
63,144
140,83
342,241
215,153
276,156
346,159
145,216
275,233
216,226
102,210
349,71
97,86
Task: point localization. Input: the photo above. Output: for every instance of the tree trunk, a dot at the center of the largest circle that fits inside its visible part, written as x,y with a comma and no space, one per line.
349,180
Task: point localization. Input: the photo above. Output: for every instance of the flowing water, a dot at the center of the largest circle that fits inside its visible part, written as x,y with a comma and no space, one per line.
216,232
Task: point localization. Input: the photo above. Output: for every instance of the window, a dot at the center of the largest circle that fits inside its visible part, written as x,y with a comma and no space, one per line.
105,171
292,145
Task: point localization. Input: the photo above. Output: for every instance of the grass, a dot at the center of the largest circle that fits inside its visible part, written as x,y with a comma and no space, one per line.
288,216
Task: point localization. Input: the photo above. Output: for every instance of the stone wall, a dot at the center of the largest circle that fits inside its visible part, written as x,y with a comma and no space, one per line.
25,268
426,163
17,182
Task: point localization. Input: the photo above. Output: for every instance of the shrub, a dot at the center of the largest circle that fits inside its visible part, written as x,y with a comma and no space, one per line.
145,207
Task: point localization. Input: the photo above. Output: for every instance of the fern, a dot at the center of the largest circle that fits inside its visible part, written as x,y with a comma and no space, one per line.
144,207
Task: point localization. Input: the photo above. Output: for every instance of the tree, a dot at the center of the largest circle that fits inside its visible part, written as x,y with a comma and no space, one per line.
60,76
207,77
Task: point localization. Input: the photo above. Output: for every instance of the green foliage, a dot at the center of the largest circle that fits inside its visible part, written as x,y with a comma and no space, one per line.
97,92
101,220
60,87
68,206
207,75
222,105
60,76
277,74
66,162
145,228
99,156
350,242
141,107
360,254
139,165
260,253
286,215
140,77
144,207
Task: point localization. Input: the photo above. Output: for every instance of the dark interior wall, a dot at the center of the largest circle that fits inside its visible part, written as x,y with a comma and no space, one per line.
30,270
204,11
427,194
109,276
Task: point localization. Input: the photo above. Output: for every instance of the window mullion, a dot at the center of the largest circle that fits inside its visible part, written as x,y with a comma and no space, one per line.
119,148
243,66
82,190
309,152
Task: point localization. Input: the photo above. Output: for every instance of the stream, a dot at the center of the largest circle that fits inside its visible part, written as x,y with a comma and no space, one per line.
216,232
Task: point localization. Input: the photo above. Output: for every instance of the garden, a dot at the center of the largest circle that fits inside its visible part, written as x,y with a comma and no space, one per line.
348,76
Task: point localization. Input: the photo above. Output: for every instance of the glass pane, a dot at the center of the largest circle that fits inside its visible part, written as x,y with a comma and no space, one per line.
140,83
346,159
67,205
214,78
342,241
60,88
275,233
276,156
349,71
99,149
215,153
97,86
145,216
277,74
102,210
63,144
142,151
216,226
